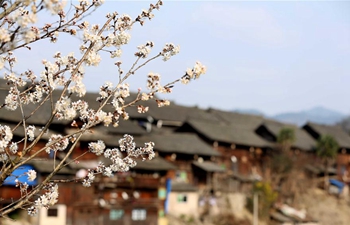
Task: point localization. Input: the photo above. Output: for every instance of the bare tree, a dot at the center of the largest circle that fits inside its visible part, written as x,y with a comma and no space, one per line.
327,149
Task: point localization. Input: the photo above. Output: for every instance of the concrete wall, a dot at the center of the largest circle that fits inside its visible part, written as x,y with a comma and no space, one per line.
60,219
190,207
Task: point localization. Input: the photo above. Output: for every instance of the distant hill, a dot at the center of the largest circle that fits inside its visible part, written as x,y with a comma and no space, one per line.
249,111
318,115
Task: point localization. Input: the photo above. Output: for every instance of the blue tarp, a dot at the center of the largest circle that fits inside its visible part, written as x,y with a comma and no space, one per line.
168,190
340,185
20,175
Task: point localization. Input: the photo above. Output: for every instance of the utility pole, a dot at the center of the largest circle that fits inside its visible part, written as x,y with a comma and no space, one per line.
255,209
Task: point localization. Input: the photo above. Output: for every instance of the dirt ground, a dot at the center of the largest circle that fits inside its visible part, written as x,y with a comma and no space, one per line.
326,208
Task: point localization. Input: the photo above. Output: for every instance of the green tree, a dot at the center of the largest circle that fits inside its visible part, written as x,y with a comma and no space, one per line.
266,198
281,162
283,165
286,138
327,148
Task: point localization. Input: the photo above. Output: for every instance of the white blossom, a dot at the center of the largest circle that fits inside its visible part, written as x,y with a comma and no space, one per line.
93,59
153,81
4,35
30,132
108,172
116,53
11,100
13,147
5,138
199,69
46,200
56,143
121,38
97,147
184,80
169,50
145,97
123,91
29,36
31,175
2,62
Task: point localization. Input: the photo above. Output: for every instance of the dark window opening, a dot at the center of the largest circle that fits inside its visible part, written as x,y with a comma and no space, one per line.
52,212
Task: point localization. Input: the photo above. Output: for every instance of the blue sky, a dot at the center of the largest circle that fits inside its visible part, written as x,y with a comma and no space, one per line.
272,56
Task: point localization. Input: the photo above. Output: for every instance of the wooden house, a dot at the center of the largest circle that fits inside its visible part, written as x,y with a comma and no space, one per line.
184,150
343,140
240,147
184,200
302,150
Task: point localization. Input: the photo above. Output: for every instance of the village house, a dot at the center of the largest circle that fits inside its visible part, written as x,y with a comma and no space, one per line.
198,154
242,150
343,139
302,149
195,162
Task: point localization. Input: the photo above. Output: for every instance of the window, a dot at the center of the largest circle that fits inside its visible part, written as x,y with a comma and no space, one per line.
138,214
182,198
181,176
52,212
116,214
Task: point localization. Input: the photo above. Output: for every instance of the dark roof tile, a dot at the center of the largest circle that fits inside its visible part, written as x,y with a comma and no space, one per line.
184,143
156,164
337,132
209,166
302,139
183,187
228,133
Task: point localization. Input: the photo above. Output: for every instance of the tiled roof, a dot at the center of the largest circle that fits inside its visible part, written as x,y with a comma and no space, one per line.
302,139
228,133
19,132
209,166
239,120
184,143
40,117
124,127
173,112
156,164
183,187
337,132
47,166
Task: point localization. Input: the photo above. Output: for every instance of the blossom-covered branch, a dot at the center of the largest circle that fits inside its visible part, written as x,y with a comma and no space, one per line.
60,88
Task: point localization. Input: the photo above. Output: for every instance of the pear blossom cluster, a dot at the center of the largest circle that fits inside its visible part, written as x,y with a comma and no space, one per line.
194,73
153,81
56,143
13,147
30,132
115,155
97,147
31,175
18,24
142,109
65,110
11,100
144,50
169,50
5,139
23,186
46,200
